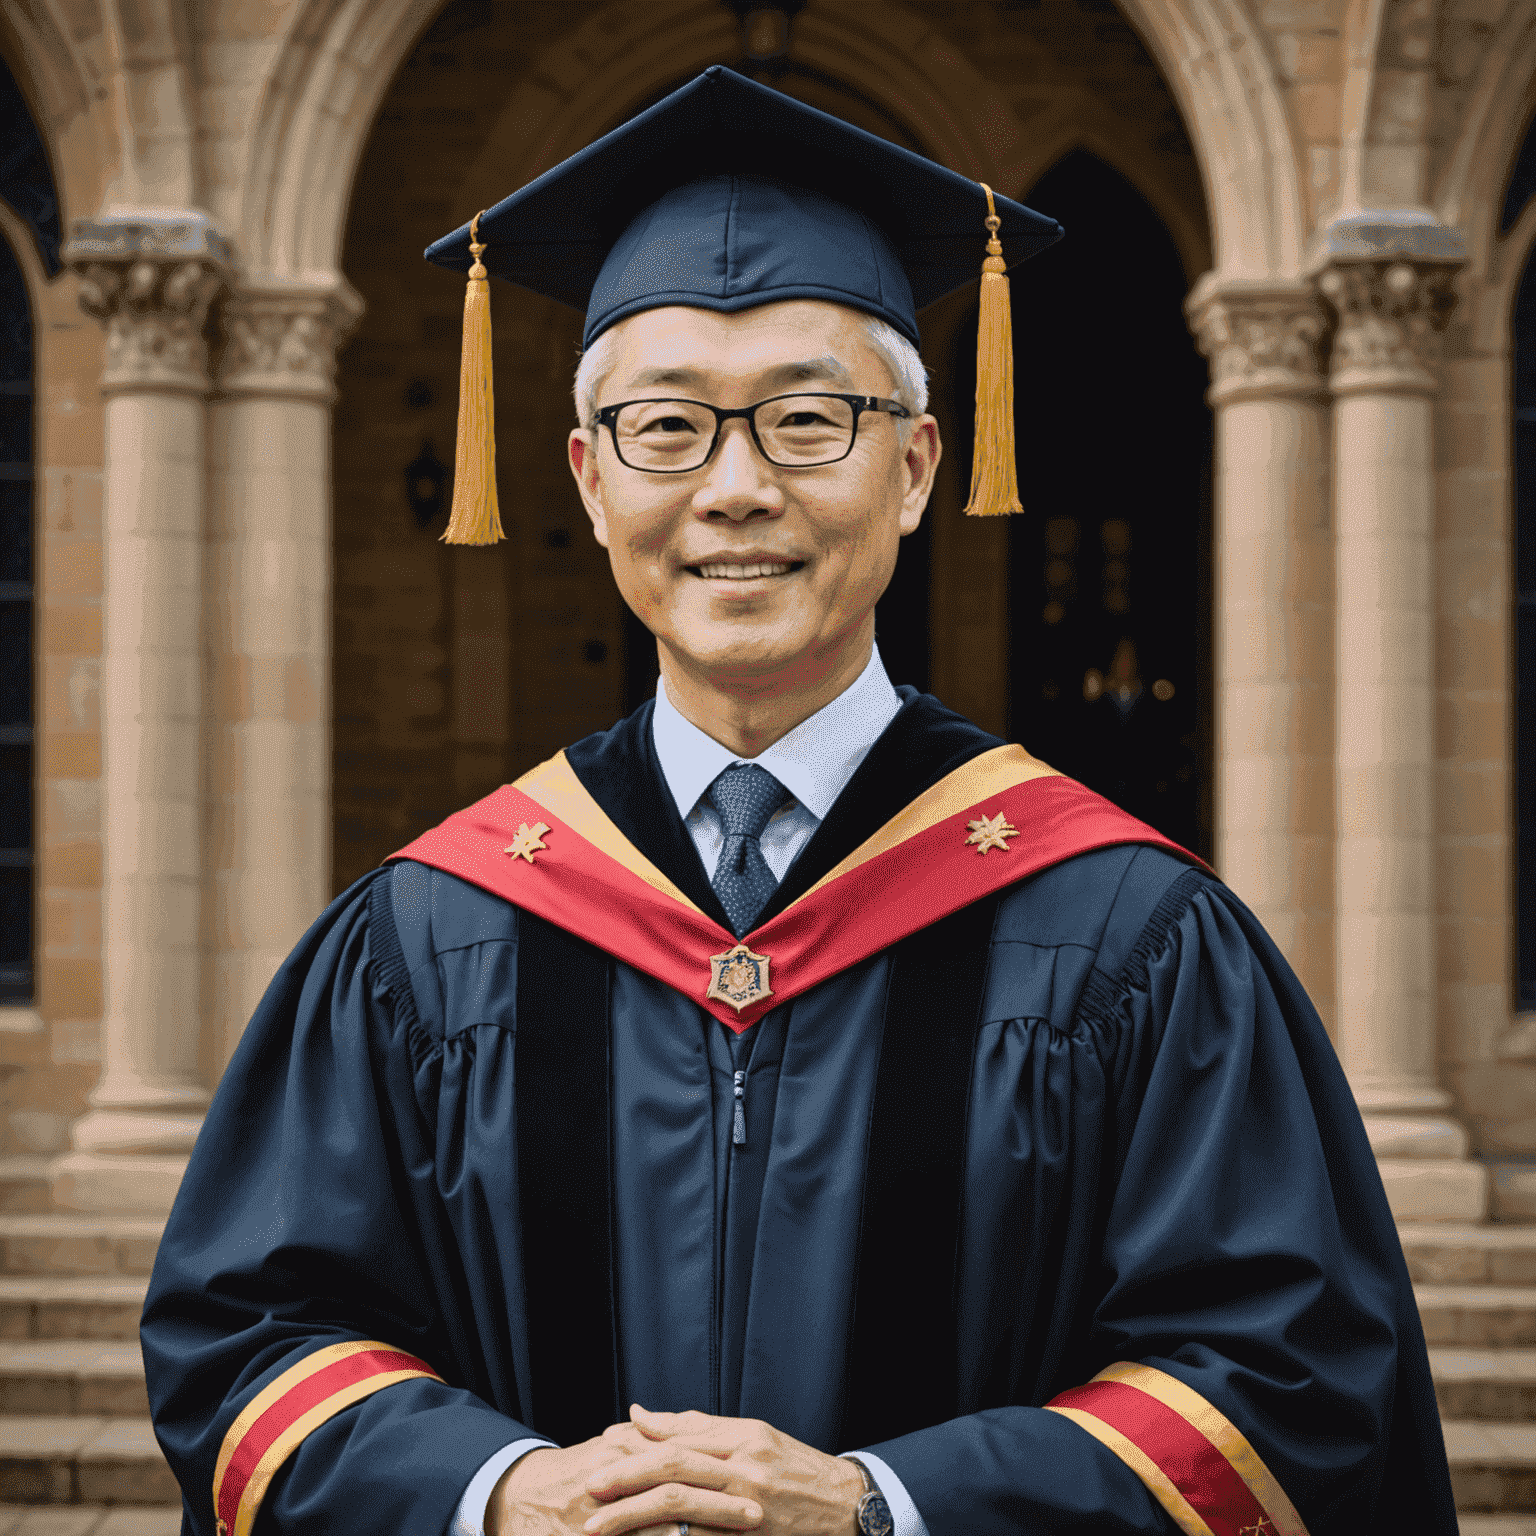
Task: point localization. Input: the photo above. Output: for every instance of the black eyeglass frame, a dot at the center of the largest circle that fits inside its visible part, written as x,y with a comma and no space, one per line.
609,414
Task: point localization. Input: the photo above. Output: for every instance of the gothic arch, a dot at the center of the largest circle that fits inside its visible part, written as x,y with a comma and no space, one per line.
60,76
112,81
339,56
1216,60
1186,227
316,112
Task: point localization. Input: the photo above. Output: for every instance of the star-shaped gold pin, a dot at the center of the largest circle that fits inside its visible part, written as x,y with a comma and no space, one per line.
991,832
529,841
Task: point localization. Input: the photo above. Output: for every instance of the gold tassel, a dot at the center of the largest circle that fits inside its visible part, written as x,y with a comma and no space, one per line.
475,519
994,474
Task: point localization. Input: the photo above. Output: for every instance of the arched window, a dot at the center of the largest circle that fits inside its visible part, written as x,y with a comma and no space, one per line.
26,186
1525,636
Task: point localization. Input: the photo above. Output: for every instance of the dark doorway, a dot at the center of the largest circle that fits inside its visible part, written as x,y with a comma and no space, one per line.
1524,348
1109,585
26,184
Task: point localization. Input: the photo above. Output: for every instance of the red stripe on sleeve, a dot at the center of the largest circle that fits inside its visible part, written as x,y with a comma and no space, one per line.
296,1402
1190,1462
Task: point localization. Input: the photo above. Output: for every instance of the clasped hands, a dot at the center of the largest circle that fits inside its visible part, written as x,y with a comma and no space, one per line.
663,1469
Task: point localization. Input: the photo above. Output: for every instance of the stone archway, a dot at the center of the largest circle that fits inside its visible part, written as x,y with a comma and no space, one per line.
1217,61
62,83
340,55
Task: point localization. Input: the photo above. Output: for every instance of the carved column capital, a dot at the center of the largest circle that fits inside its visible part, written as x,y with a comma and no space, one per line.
149,278
1264,339
281,338
1390,316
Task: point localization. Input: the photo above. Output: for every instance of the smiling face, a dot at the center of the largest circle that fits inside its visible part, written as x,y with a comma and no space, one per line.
754,577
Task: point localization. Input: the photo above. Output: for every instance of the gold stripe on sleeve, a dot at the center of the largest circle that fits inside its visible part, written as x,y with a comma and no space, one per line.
296,1433
280,1387
1220,1431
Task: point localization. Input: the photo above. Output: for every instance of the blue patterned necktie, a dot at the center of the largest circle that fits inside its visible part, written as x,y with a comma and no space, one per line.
746,797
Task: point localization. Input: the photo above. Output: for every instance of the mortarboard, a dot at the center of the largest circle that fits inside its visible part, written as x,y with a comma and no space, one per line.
727,195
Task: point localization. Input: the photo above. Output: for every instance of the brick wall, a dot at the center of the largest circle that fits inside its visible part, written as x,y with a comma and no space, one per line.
37,1106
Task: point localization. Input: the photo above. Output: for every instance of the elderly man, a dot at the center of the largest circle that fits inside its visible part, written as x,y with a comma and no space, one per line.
793,1109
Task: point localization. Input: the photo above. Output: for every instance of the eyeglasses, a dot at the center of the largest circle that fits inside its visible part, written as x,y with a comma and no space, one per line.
671,437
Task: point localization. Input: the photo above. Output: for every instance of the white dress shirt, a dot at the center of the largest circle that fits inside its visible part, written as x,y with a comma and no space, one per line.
814,762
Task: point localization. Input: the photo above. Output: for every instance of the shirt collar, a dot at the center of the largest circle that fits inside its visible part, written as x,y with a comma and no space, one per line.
814,762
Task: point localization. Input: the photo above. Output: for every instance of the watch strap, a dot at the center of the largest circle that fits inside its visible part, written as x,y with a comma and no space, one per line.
872,1513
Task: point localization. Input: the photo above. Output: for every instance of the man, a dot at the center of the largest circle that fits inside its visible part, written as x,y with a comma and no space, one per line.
794,1069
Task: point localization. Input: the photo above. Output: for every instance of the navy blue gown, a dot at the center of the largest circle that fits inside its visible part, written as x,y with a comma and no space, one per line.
1092,1119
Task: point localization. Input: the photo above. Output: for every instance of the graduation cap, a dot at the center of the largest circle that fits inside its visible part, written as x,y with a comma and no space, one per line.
726,195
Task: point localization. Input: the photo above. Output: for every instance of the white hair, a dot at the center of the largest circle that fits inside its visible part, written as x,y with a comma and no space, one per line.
889,345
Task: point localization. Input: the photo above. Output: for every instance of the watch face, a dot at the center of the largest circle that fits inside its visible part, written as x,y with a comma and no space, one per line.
874,1515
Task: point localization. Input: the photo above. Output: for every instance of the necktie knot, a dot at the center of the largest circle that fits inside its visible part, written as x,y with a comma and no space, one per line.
746,797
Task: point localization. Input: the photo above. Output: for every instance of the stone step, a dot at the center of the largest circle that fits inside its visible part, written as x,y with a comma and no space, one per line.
59,1244
89,1520
1444,1189
1493,1465
62,1376
1474,1383
26,1184
1444,1253
1475,1315
48,1459
1513,1189
71,1307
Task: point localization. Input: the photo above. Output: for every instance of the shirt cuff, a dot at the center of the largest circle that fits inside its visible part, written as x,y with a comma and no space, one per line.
905,1520
469,1519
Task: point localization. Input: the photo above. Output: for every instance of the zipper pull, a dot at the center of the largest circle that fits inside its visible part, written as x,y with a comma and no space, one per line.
739,1126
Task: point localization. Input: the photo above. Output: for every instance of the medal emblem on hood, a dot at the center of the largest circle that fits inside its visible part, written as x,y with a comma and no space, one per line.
991,832
738,977
528,841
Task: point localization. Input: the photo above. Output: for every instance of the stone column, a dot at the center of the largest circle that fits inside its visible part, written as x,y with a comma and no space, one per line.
269,636
150,282
1272,612
1389,308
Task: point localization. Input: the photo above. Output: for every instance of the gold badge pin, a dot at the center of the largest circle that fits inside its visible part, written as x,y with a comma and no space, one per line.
991,832
738,977
529,841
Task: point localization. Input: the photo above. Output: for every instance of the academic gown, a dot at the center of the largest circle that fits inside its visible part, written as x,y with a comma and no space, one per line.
1090,1123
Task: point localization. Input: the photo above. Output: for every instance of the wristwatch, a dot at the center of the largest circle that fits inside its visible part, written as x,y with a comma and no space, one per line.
873,1513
